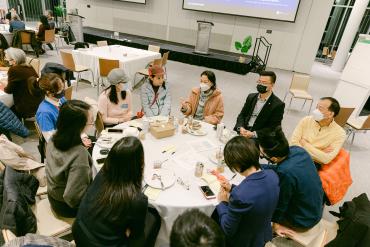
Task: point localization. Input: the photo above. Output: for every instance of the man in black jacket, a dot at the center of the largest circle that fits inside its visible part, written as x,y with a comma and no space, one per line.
261,110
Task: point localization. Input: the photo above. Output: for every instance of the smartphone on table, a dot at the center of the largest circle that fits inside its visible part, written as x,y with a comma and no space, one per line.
207,192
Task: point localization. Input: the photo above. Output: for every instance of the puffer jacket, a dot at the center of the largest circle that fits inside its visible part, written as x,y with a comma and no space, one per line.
158,104
10,123
17,194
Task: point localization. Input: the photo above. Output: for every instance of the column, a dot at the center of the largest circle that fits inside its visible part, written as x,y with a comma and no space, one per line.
349,34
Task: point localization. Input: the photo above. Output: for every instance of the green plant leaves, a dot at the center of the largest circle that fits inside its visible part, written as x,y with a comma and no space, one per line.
238,45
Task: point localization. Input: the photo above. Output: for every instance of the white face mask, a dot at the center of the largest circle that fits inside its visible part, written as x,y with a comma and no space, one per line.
204,87
317,115
124,86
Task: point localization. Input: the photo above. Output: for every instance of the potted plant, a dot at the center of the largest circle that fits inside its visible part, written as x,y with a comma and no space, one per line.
243,47
58,12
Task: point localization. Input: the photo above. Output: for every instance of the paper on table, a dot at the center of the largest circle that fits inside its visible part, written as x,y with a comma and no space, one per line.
188,159
202,145
152,193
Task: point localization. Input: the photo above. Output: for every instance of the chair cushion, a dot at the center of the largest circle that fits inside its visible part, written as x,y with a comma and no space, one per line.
300,94
48,224
80,68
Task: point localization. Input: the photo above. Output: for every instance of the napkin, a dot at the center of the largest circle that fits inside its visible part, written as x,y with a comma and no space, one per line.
152,193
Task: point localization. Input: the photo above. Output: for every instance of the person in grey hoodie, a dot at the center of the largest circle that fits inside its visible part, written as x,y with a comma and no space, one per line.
68,163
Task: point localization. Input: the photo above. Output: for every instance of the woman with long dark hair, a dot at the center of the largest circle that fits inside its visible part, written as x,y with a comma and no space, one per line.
114,211
68,165
115,102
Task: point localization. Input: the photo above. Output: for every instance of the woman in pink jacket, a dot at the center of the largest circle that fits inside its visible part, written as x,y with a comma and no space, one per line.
205,102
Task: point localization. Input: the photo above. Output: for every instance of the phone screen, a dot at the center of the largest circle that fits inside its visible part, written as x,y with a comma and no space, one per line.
100,161
207,191
115,130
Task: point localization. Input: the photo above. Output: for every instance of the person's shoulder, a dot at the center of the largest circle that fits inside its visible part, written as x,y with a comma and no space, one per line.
276,99
338,128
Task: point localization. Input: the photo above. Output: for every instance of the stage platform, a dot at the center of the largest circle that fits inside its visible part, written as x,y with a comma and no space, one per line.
220,60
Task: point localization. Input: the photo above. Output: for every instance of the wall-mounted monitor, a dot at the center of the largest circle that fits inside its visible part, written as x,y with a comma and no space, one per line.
134,1
282,10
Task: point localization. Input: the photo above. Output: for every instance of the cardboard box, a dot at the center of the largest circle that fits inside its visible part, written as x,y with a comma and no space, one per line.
162,130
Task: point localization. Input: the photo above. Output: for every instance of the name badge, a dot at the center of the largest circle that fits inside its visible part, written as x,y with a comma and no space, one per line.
124,106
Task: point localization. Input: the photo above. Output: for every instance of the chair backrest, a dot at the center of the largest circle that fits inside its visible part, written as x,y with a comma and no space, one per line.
300,81
68,93
99,124
35,63
67,60
325,51
165,58
102,43
49,36
158,61
154,48
343,115
106,65
333,54
25,38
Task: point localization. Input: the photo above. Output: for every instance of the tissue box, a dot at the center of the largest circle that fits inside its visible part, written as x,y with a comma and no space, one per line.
162,130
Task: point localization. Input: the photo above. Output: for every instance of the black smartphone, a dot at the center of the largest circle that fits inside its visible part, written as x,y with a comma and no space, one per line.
207,192
115,130
101,160
104,151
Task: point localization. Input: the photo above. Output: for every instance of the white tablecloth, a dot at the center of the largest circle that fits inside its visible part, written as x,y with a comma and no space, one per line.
131,59
176,199
4,30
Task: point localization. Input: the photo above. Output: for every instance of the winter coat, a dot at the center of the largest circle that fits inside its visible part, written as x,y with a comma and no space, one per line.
17,194
155,104
213,108
10,122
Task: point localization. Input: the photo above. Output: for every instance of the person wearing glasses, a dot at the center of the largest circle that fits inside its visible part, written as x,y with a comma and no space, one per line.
68,163
261,110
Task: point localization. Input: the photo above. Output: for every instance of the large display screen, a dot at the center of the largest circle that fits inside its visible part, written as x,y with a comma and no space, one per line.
283,10
134,1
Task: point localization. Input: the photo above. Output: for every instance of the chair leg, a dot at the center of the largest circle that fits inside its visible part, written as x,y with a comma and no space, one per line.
286,94
55,45
78,79
92,76
290,102
353,138
310,106
303,104
98,85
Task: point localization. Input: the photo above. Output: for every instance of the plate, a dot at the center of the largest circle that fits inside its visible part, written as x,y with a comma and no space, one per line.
167,176
199,132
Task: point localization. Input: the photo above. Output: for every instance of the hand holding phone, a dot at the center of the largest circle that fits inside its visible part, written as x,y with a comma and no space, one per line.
207,192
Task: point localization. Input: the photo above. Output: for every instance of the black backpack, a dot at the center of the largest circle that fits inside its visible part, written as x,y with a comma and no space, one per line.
354,223
81,45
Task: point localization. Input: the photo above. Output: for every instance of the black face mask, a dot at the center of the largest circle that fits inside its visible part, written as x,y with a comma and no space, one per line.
261,88
59,95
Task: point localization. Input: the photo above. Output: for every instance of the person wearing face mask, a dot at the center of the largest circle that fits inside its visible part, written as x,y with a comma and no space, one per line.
300,205
155,94
114,103
261,110
47,114
319,134
205,102
26,94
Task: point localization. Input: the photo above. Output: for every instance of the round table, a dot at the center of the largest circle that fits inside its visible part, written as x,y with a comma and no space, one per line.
184,151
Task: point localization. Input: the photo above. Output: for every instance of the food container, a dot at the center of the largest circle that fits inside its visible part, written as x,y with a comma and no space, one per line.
162,130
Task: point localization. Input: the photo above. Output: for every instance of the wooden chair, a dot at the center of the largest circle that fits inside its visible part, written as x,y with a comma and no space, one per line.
343,116
69,63
99,124
26,40
42,142
298,89
105,66
358,124
145,73
325,51
35,63
50,38
68,93
102,43
154,48
49,224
